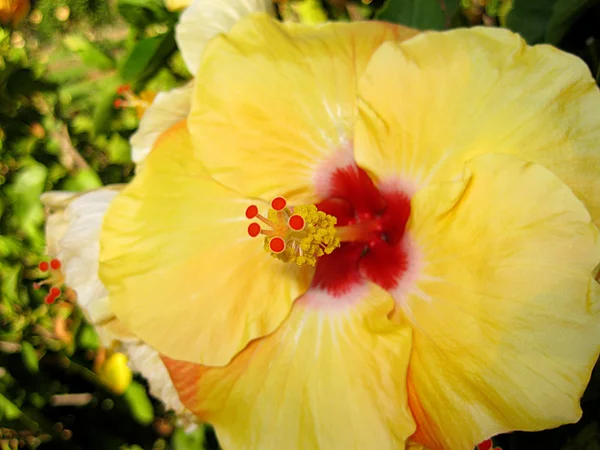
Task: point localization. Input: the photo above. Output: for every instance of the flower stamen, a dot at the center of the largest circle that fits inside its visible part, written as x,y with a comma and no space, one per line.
55,280
298,234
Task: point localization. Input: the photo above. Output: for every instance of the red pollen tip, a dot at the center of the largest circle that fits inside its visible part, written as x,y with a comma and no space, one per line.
55,264
254,229
55,291
278,203
118,103
123,88
277,245
252,211
296,222
36,285
49,299
44,266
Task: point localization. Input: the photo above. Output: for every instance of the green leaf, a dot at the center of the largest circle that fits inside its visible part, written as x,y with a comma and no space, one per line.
105,111
141,13
139,404
10,247
82,181
9,288
24,192
564,15
188,441
420,14
119,151
8,410
30,358
87,338
530,18
90,53
147,56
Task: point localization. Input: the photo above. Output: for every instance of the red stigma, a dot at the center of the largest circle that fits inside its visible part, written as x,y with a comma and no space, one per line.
296,222
277,245
49,299
44,266
252,211
55,291
278,203
254,229
55,264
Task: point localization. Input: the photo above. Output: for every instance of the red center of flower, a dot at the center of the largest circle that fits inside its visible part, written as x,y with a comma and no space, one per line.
371,225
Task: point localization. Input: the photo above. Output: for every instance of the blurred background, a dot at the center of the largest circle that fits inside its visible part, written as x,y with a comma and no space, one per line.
75,78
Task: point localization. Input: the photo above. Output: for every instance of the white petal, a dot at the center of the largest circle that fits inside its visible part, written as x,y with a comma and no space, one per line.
80,245
55,205
167,109
204,19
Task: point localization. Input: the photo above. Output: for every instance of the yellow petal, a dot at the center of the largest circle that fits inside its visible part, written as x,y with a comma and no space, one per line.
181,270
503,338
433,102
331,377
167,109
274,101
205,19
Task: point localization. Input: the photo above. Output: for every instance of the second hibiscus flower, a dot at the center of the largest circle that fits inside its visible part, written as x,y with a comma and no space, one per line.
441,184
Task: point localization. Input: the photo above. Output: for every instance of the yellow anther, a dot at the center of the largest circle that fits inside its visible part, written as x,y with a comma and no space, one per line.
316,238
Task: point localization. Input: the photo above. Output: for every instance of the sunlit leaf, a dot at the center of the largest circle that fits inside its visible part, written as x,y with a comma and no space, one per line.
82,181
30,358
8,410
139,404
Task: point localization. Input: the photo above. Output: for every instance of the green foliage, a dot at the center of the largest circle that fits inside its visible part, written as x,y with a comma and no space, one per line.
141,13
420,14
146,57
546,20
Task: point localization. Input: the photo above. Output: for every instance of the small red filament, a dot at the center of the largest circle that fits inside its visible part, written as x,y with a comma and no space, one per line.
251,212
44,266
277,245
55,264
278,203
253,229
296,222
